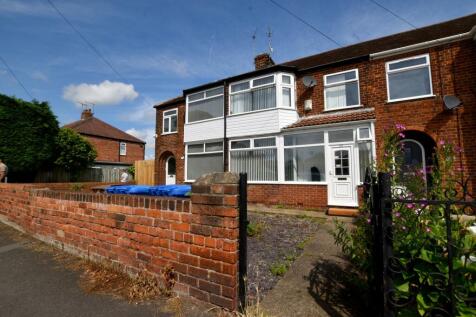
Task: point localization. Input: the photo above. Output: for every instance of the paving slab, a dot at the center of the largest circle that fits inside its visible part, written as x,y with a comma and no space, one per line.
316,284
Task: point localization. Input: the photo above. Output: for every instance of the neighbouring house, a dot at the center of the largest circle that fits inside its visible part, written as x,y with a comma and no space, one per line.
115,148
305,130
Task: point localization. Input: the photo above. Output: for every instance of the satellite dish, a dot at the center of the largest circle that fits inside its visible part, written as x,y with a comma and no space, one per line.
309,81
451,102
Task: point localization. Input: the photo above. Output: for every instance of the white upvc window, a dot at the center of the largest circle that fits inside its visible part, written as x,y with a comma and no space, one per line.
341,90
409,78
304,157
169,122
123,148
265,92
258,157
205,105
202,158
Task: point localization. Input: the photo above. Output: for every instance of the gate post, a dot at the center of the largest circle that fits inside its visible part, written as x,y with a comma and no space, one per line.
243,243
386,207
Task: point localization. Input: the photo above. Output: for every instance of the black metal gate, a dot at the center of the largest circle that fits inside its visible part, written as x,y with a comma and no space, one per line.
389,264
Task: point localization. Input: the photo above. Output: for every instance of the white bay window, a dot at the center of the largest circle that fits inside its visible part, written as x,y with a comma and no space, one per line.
271,91
204,158
257,157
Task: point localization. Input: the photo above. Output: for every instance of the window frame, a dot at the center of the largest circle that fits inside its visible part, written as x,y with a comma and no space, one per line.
277,83
121,152
388,71
169,117
324,144
204,152
188,102
359,139
326,85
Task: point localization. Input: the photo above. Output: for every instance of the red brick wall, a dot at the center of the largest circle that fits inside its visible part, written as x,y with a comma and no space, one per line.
300,196
169,144
198,237
108,150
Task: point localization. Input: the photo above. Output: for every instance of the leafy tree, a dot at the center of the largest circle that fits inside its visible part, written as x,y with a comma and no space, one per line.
27,136
74,153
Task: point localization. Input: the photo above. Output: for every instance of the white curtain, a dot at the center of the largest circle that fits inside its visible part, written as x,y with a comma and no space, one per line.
258,99
336,97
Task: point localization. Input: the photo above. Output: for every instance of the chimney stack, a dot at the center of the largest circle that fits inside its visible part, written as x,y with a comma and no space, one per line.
87,113
263,61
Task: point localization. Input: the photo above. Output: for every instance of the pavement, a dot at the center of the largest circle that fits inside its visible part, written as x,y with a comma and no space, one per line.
316,283
32,283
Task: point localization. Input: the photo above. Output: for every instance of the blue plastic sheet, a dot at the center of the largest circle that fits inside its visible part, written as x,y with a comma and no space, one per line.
162,190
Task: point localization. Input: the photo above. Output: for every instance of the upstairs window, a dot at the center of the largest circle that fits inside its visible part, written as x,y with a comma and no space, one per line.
122,148
341,90
261,93
409,78
205,105
170,121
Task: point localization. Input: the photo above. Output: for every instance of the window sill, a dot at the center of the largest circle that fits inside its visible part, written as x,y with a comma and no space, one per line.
168,133
206,120
262,110
410,99
343,108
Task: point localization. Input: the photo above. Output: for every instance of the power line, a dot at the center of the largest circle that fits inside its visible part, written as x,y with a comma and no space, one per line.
394,14
16,78
91,46
306,23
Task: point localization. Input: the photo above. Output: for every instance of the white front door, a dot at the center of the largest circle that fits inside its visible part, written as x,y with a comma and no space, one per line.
342,190
170,171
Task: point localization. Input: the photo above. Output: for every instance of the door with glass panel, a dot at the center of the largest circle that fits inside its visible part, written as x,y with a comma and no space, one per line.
170,171
342,189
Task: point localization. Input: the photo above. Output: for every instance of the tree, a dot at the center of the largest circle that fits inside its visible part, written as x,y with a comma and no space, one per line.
74,153
27,136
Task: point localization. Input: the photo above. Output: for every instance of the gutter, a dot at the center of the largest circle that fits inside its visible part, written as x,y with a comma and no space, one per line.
427,44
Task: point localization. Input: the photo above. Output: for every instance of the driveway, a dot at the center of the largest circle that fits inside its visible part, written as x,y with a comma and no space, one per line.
34,284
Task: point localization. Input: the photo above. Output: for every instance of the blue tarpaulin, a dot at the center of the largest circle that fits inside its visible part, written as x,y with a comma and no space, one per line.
162,190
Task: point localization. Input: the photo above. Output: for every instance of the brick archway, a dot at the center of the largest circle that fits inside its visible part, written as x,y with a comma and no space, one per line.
161,175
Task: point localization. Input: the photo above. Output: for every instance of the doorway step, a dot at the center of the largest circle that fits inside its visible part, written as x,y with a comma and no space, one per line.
343,211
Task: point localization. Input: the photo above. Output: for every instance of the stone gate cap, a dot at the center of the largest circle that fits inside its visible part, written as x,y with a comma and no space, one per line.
217,178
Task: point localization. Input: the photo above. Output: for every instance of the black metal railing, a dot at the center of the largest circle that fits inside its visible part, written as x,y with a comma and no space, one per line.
393,261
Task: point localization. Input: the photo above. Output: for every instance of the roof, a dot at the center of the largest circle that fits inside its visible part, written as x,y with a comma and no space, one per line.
357,51
424,34
169,102
95,127
328,118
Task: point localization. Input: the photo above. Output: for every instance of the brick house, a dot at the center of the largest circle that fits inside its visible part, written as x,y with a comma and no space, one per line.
305,130
115,148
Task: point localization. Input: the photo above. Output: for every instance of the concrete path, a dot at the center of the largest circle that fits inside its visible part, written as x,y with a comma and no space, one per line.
33,284
316,284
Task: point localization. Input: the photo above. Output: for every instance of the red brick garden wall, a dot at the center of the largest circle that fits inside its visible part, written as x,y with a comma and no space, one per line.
198,237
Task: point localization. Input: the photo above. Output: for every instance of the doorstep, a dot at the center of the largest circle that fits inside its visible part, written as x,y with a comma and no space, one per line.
342,211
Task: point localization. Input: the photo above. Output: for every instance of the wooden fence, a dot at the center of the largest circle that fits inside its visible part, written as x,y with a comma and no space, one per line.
144,172
58,175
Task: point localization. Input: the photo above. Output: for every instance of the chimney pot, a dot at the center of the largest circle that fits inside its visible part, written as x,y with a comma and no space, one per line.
87,113
263,61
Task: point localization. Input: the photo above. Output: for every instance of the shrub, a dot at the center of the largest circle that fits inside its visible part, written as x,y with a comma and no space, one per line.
419,234
255,229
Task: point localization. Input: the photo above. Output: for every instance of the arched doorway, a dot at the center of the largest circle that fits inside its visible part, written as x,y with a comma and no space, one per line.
418,151
170,171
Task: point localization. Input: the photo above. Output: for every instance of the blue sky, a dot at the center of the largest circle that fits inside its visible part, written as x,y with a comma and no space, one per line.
162,47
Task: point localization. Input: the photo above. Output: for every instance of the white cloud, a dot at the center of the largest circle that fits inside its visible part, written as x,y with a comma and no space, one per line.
146,135
105,93
143,113
39,76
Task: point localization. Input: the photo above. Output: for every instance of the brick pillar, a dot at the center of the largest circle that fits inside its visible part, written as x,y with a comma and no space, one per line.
215,230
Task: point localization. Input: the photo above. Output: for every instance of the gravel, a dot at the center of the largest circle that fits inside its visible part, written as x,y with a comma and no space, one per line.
280,242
